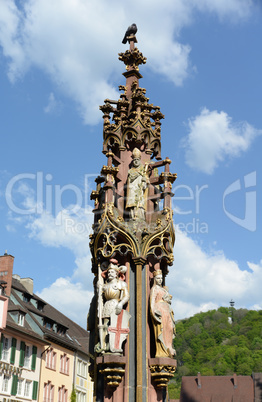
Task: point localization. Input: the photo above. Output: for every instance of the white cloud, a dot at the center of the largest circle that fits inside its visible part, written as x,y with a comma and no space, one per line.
70,231
200,281
184,309
60,295
67,229
53,106
76,43
233,9
10,228
213,137
10,21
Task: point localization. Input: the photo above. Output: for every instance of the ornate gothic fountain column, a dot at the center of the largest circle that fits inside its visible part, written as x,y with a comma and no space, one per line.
131,321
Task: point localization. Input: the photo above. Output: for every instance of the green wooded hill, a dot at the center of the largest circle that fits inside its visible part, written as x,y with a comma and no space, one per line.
213,344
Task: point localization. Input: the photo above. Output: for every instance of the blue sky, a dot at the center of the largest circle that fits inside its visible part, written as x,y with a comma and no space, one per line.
58,62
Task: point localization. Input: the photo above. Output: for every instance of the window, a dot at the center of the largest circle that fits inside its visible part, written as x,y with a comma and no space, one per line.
28,387
48,324
21,319
6,383
81,368
48,392
20,384
64,364
27,360
18,317
28,354
60,329
6,349
26,298
34,357
84,369
50,361
24,388
62,394
40,305
80,396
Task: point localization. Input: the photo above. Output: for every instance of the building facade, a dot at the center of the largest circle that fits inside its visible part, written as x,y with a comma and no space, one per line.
43,354
20,361
83,384
3,306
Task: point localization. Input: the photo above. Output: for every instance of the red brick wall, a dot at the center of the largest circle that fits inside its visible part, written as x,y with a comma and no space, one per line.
6,271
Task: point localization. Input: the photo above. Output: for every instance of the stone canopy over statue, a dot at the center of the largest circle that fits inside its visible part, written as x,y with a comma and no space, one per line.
137,183
113,319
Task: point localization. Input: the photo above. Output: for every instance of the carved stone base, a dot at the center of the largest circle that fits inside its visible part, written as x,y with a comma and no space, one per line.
162,370
113,368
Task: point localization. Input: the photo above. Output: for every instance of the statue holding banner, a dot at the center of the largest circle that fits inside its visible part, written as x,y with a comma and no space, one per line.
113,319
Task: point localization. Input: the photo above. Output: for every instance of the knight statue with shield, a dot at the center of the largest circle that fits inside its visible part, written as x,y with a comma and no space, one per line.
112,297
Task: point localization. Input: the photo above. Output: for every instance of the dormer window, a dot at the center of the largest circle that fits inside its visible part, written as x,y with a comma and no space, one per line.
26,298
40,305
48,324
21,319
18,315
60,329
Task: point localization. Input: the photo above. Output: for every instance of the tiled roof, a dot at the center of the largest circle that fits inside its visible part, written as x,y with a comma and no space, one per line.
217,389
23,331
71,335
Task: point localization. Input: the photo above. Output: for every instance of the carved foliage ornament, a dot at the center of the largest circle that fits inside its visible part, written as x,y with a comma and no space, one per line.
114,235
132,58
161,374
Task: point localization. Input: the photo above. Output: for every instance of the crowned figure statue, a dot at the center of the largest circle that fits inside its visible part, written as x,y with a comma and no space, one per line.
162,317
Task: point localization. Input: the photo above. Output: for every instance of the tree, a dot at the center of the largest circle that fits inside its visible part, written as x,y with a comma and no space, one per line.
209,344
73,395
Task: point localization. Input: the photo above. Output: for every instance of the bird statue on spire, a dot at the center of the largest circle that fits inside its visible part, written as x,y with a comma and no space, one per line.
132,30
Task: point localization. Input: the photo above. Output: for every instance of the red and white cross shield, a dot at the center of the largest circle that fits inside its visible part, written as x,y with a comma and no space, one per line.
118,330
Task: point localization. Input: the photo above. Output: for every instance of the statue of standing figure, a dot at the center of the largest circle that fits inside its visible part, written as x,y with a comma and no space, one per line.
162,317
137,183
113,319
